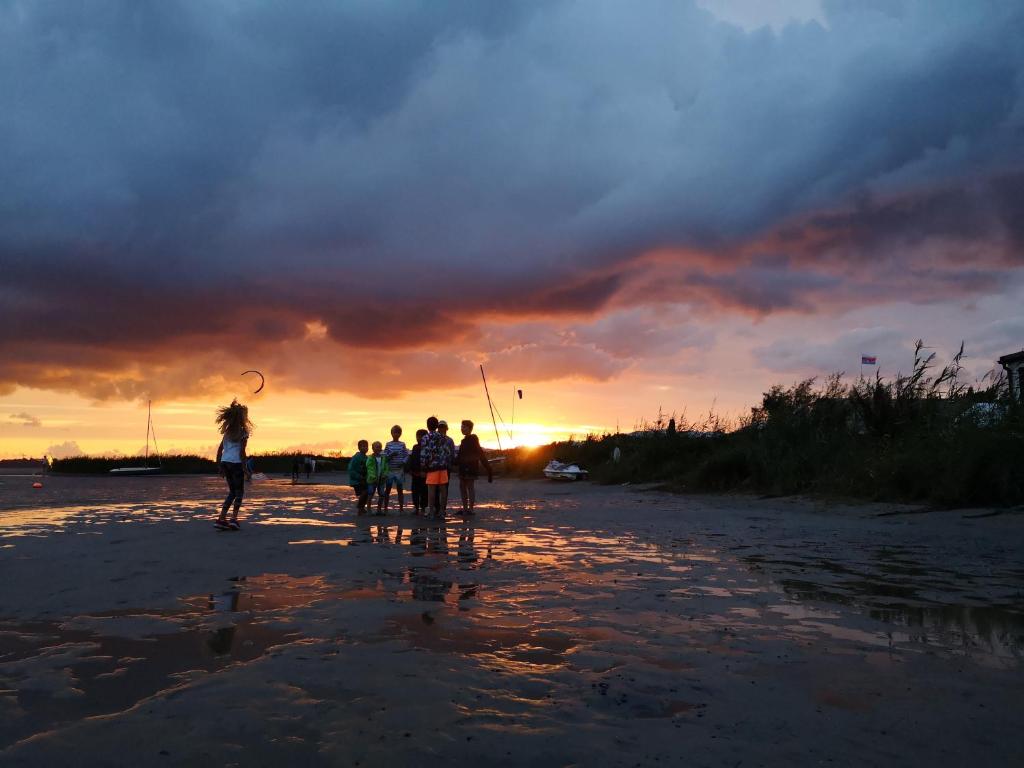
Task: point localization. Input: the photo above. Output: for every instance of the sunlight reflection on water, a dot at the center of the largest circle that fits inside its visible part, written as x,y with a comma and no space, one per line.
605,589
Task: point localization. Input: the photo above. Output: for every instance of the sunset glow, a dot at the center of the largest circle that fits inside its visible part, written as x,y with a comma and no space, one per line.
689,203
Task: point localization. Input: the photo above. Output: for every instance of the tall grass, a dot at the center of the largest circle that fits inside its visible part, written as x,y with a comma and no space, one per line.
920,437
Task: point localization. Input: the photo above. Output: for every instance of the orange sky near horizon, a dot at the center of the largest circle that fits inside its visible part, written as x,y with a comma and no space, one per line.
728,376
325,422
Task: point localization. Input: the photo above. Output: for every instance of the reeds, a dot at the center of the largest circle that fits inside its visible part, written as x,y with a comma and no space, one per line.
924,437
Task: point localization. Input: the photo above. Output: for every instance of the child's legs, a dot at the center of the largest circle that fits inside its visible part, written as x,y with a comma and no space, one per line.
468,487
419,493
230,498
236,488
399,482
443,493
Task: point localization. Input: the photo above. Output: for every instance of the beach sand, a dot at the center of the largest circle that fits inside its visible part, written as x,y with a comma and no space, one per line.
565,625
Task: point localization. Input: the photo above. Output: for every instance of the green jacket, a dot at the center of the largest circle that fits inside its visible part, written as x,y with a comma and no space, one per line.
357,469
373,476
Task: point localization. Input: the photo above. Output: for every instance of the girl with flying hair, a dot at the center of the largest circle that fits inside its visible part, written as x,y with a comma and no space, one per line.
233,422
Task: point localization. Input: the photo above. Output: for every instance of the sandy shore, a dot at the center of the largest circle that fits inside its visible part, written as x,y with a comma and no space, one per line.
565,625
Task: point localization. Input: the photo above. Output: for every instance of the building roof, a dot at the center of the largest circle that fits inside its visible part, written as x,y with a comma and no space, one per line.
1016,357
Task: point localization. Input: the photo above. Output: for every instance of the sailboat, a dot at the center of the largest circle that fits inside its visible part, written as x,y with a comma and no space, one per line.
146,470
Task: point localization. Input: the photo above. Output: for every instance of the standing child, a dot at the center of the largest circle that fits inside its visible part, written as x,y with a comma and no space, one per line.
419,476
376,475
233,422
397,455
442,428
471,458
435,458
357,476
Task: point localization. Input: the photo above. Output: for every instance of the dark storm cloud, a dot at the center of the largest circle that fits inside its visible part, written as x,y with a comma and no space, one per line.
182,180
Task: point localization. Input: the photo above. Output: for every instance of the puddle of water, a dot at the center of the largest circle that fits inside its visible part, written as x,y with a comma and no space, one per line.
65,671
516,645
111,674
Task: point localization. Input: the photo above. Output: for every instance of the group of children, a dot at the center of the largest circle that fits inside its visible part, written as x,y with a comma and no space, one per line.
430,464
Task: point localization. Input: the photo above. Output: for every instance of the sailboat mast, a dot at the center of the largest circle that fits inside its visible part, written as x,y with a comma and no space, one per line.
149,425
491,406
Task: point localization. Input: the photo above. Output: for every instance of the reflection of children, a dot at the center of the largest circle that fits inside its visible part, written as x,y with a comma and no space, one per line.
357,476
419,475
397,454
376,476
471,458
233,422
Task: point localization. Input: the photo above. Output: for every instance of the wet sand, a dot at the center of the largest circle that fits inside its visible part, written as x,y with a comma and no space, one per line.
564,625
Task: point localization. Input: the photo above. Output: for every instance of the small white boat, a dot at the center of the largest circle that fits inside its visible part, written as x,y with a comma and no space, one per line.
146,470
556,470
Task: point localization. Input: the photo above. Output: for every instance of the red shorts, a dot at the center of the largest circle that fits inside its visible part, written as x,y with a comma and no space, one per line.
437,477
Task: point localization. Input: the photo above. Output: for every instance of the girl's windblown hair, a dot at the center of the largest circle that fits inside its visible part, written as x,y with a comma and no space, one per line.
233,420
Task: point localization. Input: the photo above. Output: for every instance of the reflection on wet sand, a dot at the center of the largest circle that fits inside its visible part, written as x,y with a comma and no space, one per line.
152,652
580,620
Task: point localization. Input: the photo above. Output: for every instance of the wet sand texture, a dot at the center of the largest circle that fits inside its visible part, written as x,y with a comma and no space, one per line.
563,626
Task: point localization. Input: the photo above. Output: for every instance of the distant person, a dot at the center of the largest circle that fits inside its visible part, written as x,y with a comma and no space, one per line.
312,464
250,466
309,466
419,475
376,475
435,459
357,476
233,422
295,469
397,454
442,427
471,458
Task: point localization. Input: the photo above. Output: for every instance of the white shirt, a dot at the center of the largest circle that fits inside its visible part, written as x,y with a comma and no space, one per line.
231,450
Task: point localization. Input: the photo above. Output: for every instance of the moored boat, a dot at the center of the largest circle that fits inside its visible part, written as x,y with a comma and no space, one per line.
557,470
144,470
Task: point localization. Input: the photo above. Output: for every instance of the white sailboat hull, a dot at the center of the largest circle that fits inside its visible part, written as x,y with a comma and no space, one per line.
132,471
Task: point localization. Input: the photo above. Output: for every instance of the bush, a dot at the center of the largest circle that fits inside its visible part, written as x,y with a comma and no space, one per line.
921,437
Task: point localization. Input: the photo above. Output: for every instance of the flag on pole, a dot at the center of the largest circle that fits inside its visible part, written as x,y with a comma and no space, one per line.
868,359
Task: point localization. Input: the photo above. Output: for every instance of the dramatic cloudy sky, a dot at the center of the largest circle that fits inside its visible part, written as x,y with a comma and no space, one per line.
617,206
